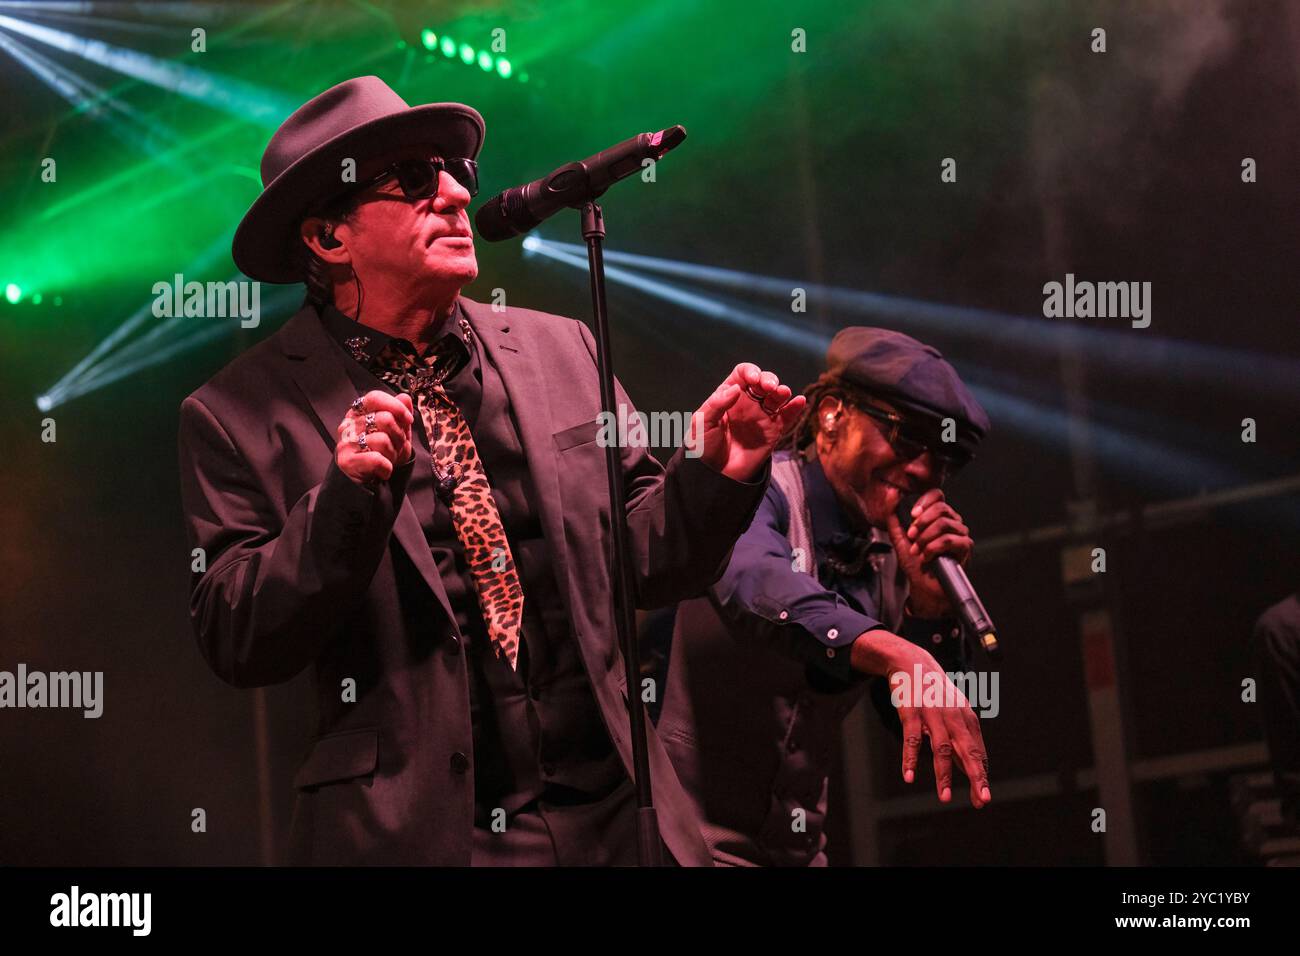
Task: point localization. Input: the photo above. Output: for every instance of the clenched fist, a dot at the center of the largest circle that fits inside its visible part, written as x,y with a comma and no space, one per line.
385,422
936,529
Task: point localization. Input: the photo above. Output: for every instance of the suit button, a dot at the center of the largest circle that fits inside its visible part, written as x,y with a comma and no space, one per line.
792,745
534,692
459,762
453,648
548,770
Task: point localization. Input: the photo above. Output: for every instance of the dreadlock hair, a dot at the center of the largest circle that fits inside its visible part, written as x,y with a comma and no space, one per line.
804,431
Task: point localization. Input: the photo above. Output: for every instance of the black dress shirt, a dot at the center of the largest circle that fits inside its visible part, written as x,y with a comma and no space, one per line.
540,744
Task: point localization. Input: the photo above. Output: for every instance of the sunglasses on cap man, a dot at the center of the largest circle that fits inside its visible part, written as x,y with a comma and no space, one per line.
911,436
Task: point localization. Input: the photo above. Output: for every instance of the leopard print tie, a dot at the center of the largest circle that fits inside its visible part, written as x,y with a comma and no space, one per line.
459,469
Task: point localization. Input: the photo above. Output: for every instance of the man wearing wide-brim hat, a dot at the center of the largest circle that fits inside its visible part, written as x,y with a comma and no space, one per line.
403,490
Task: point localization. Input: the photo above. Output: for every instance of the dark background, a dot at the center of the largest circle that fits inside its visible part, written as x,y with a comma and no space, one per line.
821,168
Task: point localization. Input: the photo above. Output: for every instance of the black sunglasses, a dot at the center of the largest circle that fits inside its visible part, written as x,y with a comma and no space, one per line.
910,440
419,177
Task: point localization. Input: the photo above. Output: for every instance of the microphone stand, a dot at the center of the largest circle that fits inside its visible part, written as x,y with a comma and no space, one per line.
648,845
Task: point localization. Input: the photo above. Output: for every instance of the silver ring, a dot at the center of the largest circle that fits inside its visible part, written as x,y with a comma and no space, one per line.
361,443
357,403
370,423
762,402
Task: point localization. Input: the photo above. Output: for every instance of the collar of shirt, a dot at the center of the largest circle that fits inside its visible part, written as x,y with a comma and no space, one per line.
363,342
831,529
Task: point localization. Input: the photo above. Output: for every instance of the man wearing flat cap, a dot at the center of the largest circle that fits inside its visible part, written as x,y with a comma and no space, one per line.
826,598
402,490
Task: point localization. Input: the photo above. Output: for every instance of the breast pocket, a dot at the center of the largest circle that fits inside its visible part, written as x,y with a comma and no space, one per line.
577,435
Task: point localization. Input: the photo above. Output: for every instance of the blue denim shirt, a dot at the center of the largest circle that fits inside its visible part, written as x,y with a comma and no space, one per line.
858,586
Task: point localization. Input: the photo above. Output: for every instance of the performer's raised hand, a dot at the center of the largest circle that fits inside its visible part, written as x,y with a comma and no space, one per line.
740,422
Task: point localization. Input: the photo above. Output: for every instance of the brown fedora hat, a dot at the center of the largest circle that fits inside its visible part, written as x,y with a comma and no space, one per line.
362,120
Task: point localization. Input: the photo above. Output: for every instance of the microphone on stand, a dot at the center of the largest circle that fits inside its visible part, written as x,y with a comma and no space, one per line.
513,213
521,208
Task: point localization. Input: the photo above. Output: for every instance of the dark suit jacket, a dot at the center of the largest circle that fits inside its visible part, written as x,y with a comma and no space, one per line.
306,568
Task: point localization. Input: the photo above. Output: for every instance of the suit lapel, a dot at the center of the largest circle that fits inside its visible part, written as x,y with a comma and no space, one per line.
518,364
319,372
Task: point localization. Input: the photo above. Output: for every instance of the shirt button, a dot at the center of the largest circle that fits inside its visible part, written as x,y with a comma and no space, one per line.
459,762
936,638
830,652
833,633
784,615
534,692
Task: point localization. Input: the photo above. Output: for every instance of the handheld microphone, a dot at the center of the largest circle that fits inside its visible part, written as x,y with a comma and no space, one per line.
970,610
519,209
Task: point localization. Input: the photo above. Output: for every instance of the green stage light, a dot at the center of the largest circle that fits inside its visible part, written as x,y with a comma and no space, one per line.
13,293
448,46
503,67
466,53
429,39
485,61
37,298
